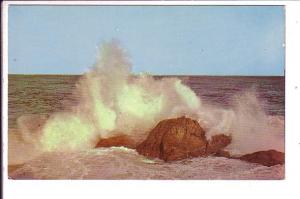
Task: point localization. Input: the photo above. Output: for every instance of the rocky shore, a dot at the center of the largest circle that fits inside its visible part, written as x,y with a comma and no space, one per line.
181,138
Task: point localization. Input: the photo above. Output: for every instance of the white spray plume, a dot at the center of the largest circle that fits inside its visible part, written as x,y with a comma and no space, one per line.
112,100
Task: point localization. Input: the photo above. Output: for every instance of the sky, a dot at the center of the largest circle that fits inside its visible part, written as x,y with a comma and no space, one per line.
179,40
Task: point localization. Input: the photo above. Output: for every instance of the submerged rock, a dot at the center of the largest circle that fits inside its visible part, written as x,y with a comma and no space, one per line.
119,140
174,139
266,158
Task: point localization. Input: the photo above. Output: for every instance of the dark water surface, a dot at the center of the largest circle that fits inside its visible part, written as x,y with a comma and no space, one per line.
45,94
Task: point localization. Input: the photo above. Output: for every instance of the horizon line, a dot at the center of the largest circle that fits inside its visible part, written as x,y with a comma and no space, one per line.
63,74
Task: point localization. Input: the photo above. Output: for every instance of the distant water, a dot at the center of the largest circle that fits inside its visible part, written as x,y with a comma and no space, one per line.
46,94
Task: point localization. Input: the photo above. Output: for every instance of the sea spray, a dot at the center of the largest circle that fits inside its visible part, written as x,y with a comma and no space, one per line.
246,121
114,101
251,127
24,142
67,132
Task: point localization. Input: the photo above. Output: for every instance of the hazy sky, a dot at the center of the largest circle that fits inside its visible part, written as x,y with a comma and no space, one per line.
203,40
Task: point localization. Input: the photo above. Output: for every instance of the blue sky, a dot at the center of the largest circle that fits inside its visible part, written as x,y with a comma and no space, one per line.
200,40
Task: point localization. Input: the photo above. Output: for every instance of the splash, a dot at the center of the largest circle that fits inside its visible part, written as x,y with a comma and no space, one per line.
114,101
187,95
246,121
66,132
252,128
135,101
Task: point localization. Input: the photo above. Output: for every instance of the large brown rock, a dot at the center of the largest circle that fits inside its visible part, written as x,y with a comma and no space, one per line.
266,158
174,139
119,140
217,143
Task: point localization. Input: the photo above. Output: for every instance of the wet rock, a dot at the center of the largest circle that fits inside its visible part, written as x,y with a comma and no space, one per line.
266,158
216,143
119,140
174,139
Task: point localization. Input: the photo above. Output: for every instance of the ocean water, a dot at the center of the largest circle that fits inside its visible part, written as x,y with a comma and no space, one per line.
43,95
